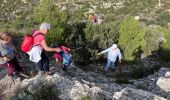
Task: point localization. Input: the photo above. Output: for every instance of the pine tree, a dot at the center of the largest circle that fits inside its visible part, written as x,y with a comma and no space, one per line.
131,38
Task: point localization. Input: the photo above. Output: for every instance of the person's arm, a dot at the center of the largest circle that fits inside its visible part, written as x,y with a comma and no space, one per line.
46,48
120,56
66,48
104,51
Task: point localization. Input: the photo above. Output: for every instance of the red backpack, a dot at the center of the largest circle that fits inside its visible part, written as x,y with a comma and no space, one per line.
28,41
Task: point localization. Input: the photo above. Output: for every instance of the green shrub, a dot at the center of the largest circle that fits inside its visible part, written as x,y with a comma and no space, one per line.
22,94
153,38
163,18
140,71
46,11
165,46
131,39
105,34
122,80
100,37
75,37
86,98
44,93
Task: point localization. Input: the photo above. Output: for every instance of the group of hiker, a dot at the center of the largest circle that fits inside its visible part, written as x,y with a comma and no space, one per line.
8,53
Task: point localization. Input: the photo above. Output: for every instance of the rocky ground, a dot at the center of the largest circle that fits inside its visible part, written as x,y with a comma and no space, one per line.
76,83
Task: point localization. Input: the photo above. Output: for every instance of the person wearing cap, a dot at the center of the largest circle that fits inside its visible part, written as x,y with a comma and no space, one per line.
113,53
39,48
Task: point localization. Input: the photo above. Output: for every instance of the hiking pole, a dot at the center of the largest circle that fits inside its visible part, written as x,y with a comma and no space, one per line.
76,49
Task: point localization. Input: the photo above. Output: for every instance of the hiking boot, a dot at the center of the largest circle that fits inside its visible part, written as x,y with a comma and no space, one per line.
64,68
48,73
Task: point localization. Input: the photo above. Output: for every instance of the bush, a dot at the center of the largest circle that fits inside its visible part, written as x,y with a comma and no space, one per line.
104,34
86,98
46,11
153,38
44,93
131,39
100,37
140,71
165,46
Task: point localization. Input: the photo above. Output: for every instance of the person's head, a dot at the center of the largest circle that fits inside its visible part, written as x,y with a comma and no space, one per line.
44,27
5,37
54,45
114,46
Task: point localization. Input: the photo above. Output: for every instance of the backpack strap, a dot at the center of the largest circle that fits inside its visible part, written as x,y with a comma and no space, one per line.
35,36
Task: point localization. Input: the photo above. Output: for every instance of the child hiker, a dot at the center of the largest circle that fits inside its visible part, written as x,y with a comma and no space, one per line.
64,56
113,53
8,55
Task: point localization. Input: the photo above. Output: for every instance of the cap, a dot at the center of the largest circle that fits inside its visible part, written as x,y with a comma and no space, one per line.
114,46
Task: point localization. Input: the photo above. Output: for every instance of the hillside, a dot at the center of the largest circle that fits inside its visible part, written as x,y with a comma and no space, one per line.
141,28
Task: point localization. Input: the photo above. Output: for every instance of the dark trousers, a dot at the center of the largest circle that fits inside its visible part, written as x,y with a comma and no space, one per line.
12,66
43,64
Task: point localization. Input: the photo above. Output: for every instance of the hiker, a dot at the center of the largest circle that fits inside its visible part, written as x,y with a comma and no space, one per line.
8,55
37,53
93,19
113,53
63,56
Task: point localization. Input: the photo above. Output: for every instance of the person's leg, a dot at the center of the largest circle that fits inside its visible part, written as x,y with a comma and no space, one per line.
64,67
45,62
17,65
113,65
107,65
58,64
10,68
40,65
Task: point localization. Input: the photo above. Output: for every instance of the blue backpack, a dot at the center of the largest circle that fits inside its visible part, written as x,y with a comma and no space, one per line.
67,58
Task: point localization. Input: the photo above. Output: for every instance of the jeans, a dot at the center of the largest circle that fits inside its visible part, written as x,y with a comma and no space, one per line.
43,64
109,63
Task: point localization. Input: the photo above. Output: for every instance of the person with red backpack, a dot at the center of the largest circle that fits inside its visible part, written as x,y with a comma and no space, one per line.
38,48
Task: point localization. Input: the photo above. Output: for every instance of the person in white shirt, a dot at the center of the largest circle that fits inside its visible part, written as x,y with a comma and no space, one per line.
113,53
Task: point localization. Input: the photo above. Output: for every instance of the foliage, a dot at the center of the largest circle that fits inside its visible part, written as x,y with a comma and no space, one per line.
104,34
46,11
44,93
86,98
47,93
75,37
131,38
165,46
122,80
163,18
153,38
22,94
140,71
100,37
